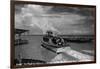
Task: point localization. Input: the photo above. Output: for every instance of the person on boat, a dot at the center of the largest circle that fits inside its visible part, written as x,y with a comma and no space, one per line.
57,40
53,39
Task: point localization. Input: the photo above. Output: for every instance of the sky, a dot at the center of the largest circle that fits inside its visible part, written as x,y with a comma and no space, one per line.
61,19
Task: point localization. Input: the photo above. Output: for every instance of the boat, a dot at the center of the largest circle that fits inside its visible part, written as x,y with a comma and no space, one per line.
52,42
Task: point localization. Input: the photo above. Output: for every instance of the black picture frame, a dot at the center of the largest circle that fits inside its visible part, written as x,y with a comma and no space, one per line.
13,3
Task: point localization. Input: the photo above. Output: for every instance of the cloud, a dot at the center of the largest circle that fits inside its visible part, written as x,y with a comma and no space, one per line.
84,11
32,15
66,20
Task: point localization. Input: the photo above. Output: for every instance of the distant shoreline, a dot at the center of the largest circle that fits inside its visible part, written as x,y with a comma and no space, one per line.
74,38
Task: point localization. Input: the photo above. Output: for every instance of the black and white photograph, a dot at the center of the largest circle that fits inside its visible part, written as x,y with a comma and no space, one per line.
53,34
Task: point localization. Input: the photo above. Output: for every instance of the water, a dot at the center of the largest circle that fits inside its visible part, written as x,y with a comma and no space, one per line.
33,49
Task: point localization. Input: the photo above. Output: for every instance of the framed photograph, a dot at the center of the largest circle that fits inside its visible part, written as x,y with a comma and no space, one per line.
50,34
